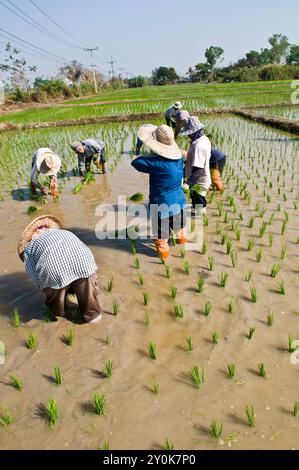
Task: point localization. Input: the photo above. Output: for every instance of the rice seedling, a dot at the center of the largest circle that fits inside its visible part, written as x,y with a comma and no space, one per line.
182,253
141,279
253,295
204,248
283,252
207,308
99,403
16,382
231,370
205,220
179,311
186,267
137,197
108,340
197,376
69,338
52,412
250,244
292,345
216,429
262,370
238,233
259,255
270,319
167,271
173,292
104,446
146,298
137,263
146,319
223,279
152,351
200,285
211,263
263,229
270,240
108,369
57,375
251,222
215,338
296,409
250,415
16,318
229,246
281,288
32,342
223,239
275,270
133,247
31,210
284,227
115,307
248,276
155,388
110,285
168,445
189,344
232,306
251,333
234,259
6,418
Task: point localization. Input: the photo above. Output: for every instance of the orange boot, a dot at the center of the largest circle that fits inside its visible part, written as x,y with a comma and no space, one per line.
182,237
162,248
216,180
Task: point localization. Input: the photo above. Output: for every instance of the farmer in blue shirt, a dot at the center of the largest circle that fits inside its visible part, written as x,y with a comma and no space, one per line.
167,200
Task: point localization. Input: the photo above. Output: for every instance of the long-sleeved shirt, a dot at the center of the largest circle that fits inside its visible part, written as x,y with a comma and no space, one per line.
92,147
56,258
35,172
165,182
197,170
170,112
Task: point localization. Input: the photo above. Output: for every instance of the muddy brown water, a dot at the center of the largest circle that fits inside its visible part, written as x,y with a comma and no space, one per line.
135,418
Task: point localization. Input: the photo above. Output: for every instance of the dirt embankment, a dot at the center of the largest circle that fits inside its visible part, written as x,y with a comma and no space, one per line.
279,123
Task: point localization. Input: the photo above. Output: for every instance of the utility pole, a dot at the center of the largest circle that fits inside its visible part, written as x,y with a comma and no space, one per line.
91,50
112,62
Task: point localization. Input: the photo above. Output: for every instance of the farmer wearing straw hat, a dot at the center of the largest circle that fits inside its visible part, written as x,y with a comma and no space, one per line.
90,150
197,169
46,163
59,263
167,200
170,112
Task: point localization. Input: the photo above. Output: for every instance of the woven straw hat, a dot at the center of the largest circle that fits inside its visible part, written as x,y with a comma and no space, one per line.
160,140
48,163
44,221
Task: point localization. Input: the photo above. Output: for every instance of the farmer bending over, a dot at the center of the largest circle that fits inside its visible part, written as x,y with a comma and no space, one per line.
46,163
180,119
217,164
170,112
90,150
167,200
59,263
197,169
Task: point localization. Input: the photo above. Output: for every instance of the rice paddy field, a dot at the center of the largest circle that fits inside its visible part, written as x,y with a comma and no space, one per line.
194,354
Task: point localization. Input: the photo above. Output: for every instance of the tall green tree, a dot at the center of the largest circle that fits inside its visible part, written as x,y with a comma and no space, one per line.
164,75
279,47
293,57
213,55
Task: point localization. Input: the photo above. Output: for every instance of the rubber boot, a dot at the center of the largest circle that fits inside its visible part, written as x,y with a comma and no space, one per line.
216,180
182,238
162,248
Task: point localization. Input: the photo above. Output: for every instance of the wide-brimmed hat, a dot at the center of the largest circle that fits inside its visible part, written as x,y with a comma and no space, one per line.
160,140
192,125
181,116
47,221
178,105
48,163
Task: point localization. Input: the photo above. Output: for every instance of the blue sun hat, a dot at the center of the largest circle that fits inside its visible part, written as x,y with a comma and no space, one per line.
192,125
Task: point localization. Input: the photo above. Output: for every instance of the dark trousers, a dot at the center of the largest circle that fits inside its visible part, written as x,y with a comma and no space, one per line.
170,123
219,165
197,199
86,291
166,226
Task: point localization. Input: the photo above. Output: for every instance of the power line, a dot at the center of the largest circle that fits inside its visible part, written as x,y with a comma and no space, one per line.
112,62
27,51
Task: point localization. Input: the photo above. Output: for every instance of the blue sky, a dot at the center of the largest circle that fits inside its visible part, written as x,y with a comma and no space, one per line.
144,34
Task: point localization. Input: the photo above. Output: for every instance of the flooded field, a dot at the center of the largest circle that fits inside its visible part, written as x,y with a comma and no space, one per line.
238,298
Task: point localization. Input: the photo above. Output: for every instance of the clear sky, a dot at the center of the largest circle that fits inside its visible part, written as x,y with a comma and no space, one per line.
141,35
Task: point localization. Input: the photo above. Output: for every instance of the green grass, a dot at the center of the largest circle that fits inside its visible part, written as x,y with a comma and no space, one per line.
16,382
179,311
57,375
200,285
6,418
16,318
250,415
99,403
52,412
115,307
32,342
197,376
108,369
231,370
216,429
152,351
